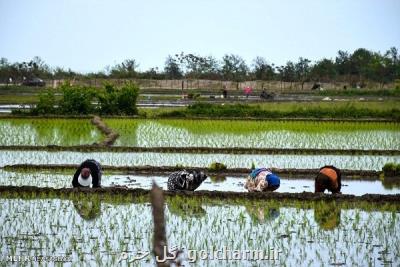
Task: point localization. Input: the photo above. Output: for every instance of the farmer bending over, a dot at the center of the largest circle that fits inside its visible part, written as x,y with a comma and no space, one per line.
185,180
329,177
262,179
88,174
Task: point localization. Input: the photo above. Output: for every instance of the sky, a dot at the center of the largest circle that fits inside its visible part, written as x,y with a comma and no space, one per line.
88,35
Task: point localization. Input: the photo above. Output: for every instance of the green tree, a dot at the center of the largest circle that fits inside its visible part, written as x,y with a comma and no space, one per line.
234,68
127,98
343,65
172,69
126,69
302,70
196,66
323,71
263,70
360,61
287,73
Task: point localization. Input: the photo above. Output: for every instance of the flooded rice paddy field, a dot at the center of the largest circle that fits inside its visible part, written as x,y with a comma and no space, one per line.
92,231
356,162
268,134
205,133
41,132
89,230
63,179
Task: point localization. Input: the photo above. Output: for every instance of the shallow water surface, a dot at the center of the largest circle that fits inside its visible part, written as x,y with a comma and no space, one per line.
232,184
91,232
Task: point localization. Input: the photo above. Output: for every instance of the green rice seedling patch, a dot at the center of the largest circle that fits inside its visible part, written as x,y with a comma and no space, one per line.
351,162
255,134
42,131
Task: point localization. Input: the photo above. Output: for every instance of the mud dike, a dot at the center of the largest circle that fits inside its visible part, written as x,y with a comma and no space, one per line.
32,192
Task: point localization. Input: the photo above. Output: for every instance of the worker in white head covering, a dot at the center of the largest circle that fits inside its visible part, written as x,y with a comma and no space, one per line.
88,174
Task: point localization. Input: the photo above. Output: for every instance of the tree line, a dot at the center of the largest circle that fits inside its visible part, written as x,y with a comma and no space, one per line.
355,68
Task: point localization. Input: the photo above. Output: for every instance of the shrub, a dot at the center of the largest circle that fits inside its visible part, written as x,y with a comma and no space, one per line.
244,111
46,105
127,97
108,100
193,95
217,166
77,99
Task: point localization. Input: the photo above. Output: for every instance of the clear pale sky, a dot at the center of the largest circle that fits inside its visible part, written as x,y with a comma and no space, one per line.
89,35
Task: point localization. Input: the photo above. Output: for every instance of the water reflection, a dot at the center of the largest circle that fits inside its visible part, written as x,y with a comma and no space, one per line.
262,214
217,179
327,215
88,209
391,182
184,209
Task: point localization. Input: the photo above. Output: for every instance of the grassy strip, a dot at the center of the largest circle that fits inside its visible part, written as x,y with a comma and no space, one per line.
160,114
168,169
105,147
19,99
244,111
385,202
361,92
292,106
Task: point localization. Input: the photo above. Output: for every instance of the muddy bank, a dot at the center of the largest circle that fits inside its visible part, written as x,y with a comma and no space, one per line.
110,134
8,116
106,146
119,191
356,174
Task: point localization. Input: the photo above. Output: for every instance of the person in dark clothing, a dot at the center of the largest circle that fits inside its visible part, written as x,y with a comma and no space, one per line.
88,174
265,95
329,177
224,92
185,180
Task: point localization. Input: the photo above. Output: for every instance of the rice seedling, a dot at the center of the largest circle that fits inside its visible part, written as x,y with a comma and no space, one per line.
352,162
226,224
241,133
41,131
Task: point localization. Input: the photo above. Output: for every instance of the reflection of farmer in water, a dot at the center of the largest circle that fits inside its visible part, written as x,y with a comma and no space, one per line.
262,179
262,214
186,209
88,209
330,178
185,180
327,215
88,174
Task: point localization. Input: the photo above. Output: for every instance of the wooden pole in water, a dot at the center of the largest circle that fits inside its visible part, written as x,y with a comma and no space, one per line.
159,236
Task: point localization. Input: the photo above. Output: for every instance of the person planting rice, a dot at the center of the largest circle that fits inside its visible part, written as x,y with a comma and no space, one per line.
185,180
329,177
262,179
88,174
